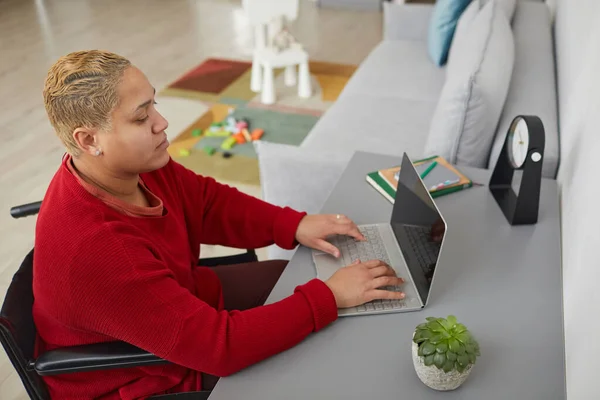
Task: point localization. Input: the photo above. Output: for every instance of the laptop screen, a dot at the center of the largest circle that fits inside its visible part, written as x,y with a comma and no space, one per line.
418,227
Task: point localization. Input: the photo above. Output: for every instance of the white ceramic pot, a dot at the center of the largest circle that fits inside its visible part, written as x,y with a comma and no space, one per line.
436,378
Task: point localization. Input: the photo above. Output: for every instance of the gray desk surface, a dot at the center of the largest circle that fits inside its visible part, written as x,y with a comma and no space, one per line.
503,282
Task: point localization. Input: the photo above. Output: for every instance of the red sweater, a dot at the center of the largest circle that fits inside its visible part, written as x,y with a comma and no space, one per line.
101,275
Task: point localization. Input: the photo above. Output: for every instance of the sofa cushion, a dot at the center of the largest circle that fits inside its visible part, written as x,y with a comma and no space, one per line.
441,28
398,68
532,89
478,76
385,125
298,178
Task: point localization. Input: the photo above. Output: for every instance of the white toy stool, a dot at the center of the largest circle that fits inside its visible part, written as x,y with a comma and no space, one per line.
267,14
266,60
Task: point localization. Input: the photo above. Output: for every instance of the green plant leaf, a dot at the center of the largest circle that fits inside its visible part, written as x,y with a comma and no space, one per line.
435,339
421,326
447,326
472,358
448,366
418,335
464,337
459,367
460,328
428,360
431,319
439,360
476,345
420,351
442,347
428,348
451,356
421,336
435,326
461,350
463,360
470,348
426,334
453,345
451,320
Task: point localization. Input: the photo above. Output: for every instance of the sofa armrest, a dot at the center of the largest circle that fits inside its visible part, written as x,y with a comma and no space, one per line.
406,21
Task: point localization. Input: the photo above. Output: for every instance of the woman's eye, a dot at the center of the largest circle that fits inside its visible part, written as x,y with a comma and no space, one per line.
143,119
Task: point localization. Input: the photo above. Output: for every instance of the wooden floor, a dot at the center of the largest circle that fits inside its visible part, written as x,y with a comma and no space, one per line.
163,38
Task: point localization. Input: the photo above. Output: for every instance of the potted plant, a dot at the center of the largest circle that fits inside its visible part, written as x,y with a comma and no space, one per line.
444,352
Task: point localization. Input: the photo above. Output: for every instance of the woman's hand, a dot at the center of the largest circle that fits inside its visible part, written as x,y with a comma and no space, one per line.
360,283
313,230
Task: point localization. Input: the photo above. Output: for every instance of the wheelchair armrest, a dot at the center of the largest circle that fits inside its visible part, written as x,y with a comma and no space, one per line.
25,210
93,357
247,257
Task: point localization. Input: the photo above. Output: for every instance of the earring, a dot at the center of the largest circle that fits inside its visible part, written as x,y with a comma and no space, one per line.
98,152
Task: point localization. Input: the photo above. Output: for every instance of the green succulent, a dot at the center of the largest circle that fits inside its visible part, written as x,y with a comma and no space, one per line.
445,343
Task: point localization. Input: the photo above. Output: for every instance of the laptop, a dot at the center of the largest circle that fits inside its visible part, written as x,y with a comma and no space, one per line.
410,243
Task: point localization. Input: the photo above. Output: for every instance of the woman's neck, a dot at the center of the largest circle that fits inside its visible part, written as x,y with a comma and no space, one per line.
123,187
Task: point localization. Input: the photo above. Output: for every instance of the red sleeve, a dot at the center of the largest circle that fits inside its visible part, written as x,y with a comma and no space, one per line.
129,295
220,214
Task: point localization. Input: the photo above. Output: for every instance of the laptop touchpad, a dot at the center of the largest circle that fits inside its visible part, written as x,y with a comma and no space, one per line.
326,265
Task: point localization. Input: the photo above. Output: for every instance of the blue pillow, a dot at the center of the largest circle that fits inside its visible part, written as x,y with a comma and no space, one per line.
441,28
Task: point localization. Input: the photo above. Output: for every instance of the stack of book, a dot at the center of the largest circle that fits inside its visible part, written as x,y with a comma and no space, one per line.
438,175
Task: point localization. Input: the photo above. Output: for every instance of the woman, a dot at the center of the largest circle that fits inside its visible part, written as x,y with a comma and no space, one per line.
118,239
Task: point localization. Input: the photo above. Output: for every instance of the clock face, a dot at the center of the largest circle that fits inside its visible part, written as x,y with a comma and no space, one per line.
518,143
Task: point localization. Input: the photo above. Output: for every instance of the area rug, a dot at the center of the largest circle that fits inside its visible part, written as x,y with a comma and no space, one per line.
218,88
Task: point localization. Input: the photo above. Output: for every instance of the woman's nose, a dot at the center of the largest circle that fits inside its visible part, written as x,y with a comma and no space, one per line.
161,124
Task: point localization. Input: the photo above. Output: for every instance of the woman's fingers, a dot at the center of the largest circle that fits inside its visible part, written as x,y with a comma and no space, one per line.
385,281
345,226
327,247
377,294
382,270
373,263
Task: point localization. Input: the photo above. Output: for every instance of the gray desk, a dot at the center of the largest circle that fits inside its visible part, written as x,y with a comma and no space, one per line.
503,282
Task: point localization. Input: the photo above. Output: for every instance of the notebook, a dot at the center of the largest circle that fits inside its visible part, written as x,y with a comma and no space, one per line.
443,179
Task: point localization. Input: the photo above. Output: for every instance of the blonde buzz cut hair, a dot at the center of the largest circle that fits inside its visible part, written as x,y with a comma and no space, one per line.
80,91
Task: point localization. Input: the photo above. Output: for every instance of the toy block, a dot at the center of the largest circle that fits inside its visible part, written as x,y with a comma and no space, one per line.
257,134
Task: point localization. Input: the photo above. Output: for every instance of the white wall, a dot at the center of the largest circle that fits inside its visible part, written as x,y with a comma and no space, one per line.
577,32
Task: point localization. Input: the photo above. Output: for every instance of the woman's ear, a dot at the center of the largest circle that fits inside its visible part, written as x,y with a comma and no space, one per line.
87,141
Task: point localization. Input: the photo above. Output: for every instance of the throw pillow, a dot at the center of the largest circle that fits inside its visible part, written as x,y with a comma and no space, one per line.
466,18
508,6
298,178
477,80
441,28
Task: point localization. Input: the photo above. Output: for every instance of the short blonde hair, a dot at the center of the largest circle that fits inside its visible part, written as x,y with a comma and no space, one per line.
81,91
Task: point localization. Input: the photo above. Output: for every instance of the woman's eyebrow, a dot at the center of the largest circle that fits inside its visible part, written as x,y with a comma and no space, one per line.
146,103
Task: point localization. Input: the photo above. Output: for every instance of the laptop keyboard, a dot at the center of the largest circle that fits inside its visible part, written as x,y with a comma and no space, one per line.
372,249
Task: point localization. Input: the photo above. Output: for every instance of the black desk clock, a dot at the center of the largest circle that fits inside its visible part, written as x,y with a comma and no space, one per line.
523,150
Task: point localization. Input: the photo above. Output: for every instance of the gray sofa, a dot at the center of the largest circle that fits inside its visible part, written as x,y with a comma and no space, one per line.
387,107
388,104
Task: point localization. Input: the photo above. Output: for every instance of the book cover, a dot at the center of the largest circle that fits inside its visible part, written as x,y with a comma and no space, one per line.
443,179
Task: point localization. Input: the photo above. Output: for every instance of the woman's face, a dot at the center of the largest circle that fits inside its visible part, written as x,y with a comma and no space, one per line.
137,142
